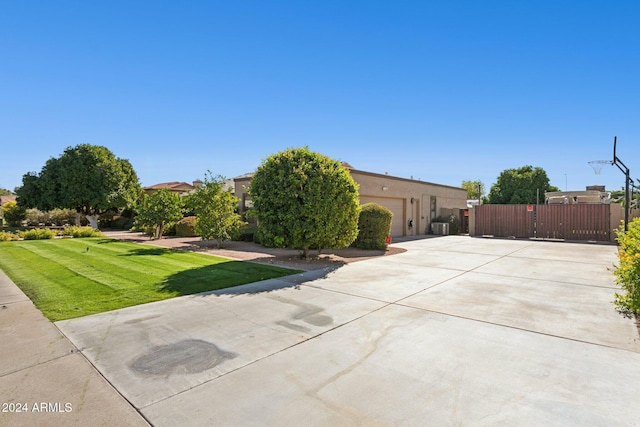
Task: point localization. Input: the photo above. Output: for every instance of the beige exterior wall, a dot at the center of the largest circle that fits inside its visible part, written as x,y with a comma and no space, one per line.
241,191
415,196
408,199
617,218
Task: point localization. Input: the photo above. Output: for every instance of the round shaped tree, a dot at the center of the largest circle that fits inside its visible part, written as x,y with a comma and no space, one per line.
520,186
305,200
87,178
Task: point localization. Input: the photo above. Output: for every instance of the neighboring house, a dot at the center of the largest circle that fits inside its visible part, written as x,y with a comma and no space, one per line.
5,199
414,203
182,188
592,195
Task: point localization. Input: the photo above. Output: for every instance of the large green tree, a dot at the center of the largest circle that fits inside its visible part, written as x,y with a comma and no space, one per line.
475,189
157,210
520,186
215,209
87,178
305,200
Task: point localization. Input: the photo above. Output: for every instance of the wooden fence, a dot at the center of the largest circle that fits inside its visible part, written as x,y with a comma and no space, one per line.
569,222
504,221
574,222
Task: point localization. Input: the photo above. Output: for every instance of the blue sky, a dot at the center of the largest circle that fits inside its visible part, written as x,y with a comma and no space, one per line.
438,91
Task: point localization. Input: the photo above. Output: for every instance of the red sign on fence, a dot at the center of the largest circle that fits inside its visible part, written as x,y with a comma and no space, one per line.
529,208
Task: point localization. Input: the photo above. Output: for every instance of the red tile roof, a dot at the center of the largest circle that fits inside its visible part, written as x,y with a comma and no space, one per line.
170,185
5,199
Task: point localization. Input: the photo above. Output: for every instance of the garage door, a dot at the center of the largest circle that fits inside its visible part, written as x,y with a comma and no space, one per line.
396,206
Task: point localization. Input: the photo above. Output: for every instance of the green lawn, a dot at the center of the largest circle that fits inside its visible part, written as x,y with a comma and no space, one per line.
67,278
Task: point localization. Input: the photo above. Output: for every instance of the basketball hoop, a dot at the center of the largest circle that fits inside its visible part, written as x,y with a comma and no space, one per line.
598,164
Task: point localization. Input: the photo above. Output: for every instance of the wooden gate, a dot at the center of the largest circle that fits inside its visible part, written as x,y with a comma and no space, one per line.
569,222
573,222
504,221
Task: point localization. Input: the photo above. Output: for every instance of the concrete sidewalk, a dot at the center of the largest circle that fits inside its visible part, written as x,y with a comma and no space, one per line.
44,379
455,331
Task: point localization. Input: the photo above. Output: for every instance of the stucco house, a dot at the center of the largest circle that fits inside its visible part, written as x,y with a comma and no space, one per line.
184,188
9,198
181,188
594,194
414,203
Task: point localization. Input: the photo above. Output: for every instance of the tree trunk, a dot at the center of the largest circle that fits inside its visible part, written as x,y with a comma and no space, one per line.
93,220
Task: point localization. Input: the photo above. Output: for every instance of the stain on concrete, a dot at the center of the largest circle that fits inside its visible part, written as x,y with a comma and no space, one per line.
293,326
307,313
141,319
184,357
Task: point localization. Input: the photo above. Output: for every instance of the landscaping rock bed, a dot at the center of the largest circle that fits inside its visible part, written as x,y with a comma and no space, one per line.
249,251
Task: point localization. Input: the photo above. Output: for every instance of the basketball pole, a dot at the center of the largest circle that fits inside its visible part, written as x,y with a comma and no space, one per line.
625,171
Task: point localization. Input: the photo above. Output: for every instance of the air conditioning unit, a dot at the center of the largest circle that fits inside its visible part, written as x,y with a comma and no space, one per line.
440,228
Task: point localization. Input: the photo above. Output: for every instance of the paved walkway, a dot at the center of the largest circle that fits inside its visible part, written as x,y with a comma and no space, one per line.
455,331
44,379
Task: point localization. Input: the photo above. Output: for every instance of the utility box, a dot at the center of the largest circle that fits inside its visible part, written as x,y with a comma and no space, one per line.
440,228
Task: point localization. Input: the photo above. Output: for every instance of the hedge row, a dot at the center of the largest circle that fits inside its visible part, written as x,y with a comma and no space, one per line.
628,271
47,233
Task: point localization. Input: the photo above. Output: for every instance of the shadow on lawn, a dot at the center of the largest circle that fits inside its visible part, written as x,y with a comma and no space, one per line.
142,250
149,251
238,278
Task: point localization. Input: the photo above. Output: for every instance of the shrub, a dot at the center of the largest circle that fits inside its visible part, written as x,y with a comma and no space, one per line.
12,213
246,234
78,232
186,227
6,236
35,217
122,223
374,225
62,216
38,234
628,271
169,229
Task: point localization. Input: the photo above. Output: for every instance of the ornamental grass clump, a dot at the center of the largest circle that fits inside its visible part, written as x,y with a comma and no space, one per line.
38,234
628,270
7,236
79,232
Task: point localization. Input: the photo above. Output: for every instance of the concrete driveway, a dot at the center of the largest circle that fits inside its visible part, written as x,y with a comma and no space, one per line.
455,331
